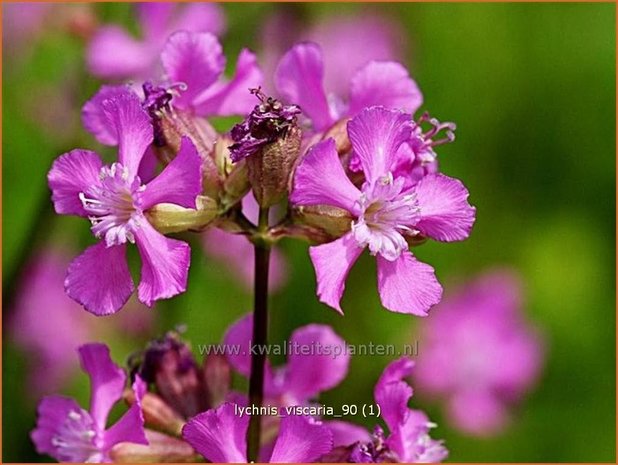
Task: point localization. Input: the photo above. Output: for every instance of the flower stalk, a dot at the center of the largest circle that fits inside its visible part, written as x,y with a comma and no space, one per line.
259,335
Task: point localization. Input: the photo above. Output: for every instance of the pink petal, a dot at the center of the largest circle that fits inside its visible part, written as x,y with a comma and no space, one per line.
113,53
385,83
219,435
70,174
52,413
228,98
321,180
407,285
99,279
308,375
392,393
134,131
376,134
195,59
180,182
411,442
298,79
130,427
301,440
478,413
148,166
155,17
350,41
345,433
445,212
94,119
201,17
237,339
107,381
332,263
239,335
165,264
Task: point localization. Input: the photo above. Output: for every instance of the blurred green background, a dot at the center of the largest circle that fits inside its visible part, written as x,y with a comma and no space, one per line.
532,90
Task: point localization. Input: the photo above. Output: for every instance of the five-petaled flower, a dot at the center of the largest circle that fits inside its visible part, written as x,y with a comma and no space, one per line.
493,356
408,440
311,367
386,211
299,79
114,54
69,433
115,200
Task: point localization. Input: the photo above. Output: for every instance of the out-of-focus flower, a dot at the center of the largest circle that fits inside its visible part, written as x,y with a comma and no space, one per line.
408,439
23,21
347,42
52,340
196,61
51,343
114,54
317,361
114,199
493,356
299,78
385,213
235,252
188,388
220,436
69,433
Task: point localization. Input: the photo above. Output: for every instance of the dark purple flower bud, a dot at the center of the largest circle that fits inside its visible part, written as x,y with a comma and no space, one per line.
269,121
270,141
169,364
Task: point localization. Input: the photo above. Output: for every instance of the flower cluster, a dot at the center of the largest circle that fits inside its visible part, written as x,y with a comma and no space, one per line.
180,408
346,168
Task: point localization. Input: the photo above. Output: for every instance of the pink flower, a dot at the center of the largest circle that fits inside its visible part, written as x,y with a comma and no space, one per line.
492,357
306,374
69,433
348,42
385,212
51,343
220,436
114,54
196,60
407,439
299,79
114,199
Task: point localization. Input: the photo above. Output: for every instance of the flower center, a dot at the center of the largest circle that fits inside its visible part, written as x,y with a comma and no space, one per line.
113,205
387,213
76,438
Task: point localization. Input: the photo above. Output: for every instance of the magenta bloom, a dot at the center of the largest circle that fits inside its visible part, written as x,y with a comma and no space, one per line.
220,436
408,440
114,54
50,342
69,433
348,42
235,252
114,199
299,79
386,211
492,357
310,369
196,60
